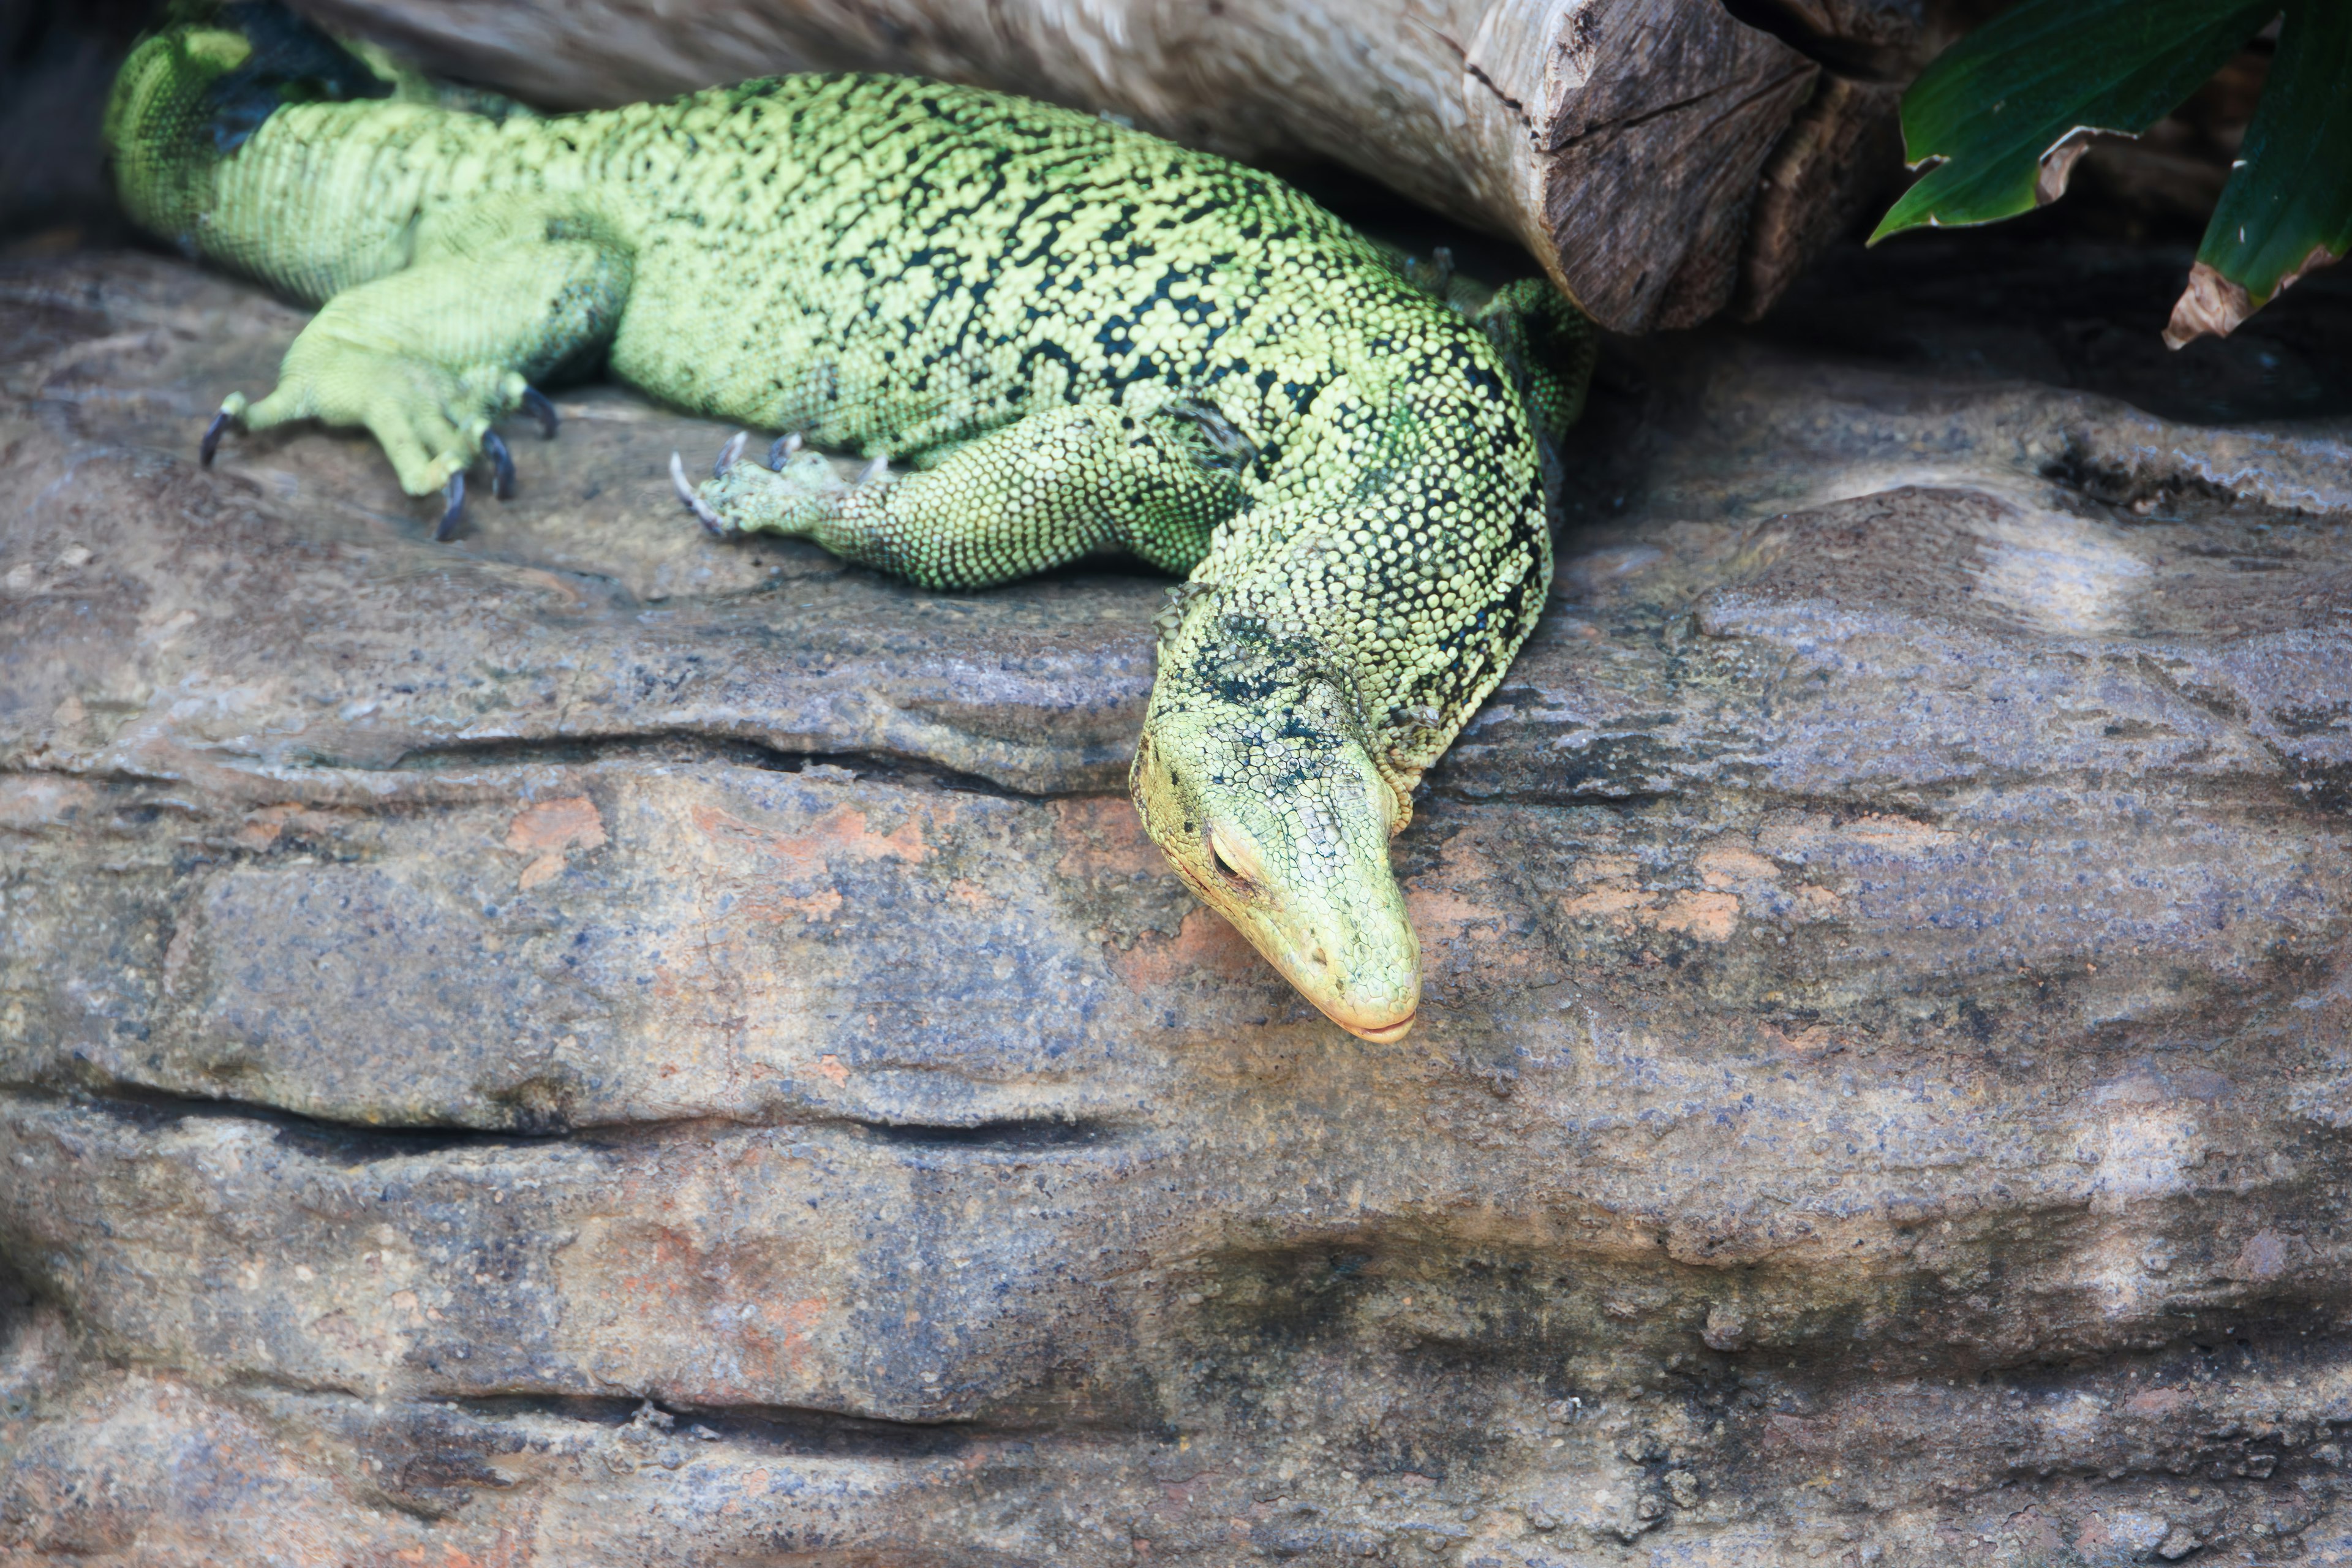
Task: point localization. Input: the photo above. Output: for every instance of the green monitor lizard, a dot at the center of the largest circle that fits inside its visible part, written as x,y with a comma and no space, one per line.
1054,335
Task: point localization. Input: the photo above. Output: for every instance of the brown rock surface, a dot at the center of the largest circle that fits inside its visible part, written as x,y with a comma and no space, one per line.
589,1045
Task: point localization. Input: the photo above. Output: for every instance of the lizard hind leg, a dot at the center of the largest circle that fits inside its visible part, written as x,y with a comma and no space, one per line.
1549,347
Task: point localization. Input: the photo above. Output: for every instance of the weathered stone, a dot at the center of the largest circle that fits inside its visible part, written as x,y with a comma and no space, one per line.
1882,1093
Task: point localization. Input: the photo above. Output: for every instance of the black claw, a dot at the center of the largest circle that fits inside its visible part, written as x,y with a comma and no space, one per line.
535,404
211,443
781,451
494,447
450,515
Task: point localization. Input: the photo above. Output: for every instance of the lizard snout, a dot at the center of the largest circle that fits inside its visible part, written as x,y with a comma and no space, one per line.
1363,969
1334,923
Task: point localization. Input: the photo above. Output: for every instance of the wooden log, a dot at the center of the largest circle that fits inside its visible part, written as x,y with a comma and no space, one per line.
1623,142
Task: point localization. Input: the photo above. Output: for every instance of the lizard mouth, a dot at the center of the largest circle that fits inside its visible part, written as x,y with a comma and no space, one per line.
1385,1034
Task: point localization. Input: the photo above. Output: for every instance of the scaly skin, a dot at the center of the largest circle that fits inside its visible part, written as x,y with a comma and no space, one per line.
1076,335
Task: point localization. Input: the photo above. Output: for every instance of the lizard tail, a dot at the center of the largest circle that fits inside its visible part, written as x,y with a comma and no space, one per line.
194,92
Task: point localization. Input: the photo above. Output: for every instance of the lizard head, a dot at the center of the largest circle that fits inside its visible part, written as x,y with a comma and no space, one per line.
1268,805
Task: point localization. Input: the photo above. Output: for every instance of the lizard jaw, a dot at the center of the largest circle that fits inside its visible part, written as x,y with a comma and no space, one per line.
1387,1036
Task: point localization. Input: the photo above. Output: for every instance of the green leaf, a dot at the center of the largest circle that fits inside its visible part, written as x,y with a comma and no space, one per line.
2288,204
1995,112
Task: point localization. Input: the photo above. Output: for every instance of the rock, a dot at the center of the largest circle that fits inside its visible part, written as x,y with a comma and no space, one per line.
2124,1536
1726,1328
591,1045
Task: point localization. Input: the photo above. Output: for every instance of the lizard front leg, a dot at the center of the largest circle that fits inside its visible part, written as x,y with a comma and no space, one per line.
1547,344
1041,492
430,357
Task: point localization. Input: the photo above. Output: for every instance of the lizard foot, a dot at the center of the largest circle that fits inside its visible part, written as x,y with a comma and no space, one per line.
433,422
792,493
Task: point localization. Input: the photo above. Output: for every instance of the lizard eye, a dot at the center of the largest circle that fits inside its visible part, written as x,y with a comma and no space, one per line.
1232,863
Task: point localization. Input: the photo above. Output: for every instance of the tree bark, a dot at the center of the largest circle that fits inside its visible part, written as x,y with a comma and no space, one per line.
1622,142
